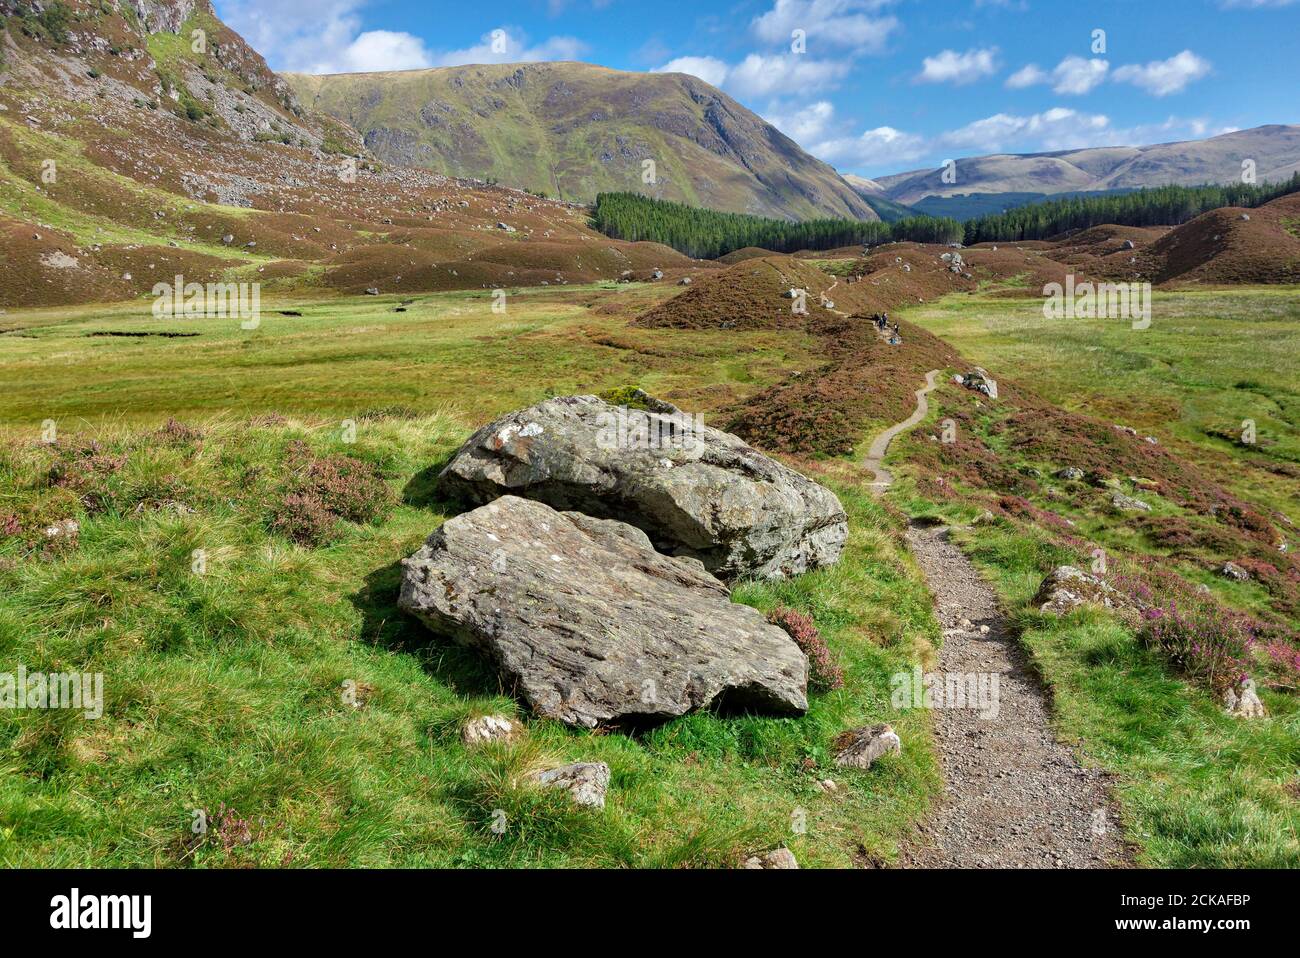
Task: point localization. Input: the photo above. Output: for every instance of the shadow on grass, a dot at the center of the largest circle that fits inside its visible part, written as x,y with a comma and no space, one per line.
385,625
422,490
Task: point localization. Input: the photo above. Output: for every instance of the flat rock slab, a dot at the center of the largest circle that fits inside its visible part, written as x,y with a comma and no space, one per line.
695,490
591,625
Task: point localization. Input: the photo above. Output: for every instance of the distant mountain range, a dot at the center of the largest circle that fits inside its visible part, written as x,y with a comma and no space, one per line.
1275,150
572,130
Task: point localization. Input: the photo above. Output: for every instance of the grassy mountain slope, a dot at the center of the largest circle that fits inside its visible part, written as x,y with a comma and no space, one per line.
573,130
130,154
1275,150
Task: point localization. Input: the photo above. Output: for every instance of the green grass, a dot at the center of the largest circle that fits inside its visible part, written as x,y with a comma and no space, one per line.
224,690
345,355
1198,789
1209,361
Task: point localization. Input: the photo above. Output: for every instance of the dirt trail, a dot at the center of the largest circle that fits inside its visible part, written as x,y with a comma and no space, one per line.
880,445
1014,797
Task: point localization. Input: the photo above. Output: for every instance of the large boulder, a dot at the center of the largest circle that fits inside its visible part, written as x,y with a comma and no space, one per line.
696,491
590,624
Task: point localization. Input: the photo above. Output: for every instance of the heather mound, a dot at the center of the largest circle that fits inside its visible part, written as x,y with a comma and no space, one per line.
1233,245
748,252
753,294
50,268
827,411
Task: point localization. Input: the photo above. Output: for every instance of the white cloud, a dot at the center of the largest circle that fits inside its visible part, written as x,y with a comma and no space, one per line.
758,75
377,50
883,147
709,69
1255,4
325,36
843,23
1029,75
812,123
1055,129
510,45
1076,76
1073,76
763,76
1163,77
959,68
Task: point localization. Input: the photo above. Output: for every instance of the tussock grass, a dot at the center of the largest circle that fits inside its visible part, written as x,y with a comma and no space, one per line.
224,690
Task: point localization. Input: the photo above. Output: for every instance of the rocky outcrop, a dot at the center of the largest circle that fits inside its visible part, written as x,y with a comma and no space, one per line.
978,380
696,491
591,625
1067,588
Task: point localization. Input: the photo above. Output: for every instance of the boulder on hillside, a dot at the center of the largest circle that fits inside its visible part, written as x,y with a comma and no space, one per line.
1123,503
978,380
590,624
1066,588
696,491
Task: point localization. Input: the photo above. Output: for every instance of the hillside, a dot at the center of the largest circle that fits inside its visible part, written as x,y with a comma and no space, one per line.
572,130
1274,148
127,158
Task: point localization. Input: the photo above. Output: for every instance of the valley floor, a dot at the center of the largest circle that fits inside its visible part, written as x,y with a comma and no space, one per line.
222,688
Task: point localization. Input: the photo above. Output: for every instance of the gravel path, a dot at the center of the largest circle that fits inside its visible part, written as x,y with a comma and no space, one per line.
1014,797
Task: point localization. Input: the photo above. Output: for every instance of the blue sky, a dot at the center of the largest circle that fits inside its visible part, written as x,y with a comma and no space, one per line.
875,86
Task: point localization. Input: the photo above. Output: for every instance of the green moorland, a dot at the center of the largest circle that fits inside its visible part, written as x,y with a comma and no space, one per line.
224,690
1197,788
1209,361
257,672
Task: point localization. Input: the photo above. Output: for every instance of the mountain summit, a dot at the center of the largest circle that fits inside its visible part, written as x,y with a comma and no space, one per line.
572,130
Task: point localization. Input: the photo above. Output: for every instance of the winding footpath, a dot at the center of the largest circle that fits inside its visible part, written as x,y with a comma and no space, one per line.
1014,797
875,460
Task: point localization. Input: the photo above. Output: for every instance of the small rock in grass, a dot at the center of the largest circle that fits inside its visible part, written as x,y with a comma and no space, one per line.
1231,570
1128,504
586,782
860,747
489,728
1242,701
777,858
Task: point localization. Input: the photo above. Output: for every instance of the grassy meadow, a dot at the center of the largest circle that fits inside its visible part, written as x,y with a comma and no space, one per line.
225,688
1209,361
225,682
